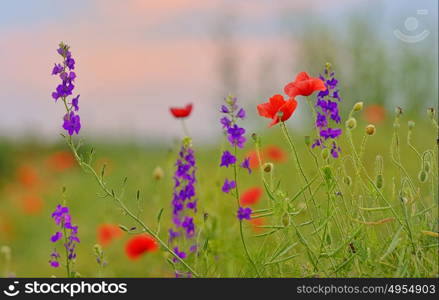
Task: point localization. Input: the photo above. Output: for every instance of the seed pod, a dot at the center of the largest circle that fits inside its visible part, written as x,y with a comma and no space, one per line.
411,124
158,173
423,176
379,181
347,180
325,154
351,123
286,219
358,106
370,129
268,167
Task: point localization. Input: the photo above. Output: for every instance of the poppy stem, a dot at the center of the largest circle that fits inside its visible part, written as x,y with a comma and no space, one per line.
185,130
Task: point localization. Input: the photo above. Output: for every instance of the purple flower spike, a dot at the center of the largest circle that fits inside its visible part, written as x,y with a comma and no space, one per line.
72,123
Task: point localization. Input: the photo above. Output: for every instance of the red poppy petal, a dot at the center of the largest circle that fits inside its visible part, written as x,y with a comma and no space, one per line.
265,110
302,76
251,196
288,109
318,85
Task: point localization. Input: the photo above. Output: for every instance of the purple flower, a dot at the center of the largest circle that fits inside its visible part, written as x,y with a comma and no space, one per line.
236,136
241,114
246,165
227,159
72,123
228,185
56,237
62,219
179,253
224,109
75,102
327,110
244,213
188,225
58,68
225,122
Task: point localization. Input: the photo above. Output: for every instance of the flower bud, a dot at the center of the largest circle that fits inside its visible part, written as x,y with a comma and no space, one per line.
370,129
286,219
158,173
351,123
379,181
423,176
411,125
398,111
431,112
358,106
268,167
254,137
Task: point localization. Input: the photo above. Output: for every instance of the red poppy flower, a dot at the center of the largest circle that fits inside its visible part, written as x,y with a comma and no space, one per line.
375,114
257,222
253,158
28,176
276,154
181,112
277,105
139,245
304,85
108,232
32,204
61,161
251,196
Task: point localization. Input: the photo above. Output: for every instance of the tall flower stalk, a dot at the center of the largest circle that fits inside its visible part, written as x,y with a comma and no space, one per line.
184,205
236,137
72,125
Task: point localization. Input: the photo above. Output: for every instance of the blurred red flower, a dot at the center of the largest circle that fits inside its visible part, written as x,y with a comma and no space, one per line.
275,154
276,105
253,159
108,232
61,161
181,112
139,245
27,176
257,222
374,114
251,196
32,204
304,85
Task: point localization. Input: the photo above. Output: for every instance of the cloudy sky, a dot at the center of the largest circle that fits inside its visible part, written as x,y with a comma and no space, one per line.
135,58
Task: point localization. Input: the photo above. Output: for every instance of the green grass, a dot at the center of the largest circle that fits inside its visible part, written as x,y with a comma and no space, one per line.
345,232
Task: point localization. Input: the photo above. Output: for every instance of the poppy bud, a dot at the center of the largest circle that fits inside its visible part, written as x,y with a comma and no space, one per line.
370,129
379,181
286,219
423,176
347,180
268,167
254,137
158,173
411,125
431,112
327,172
325,154
358,106
398,111
307,140
98,250
351,123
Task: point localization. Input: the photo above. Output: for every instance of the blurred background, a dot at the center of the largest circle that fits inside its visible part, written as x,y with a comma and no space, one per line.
136,58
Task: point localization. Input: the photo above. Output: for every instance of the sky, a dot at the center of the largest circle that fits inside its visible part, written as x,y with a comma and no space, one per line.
136,58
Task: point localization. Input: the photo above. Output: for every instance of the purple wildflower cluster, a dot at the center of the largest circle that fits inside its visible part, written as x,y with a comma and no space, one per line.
62,219
71,120
184,203
327,111
235,135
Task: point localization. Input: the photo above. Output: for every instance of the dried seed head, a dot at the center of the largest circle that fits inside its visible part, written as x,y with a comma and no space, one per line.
351,123
370,129
158,173
268,167
411,124
358,106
